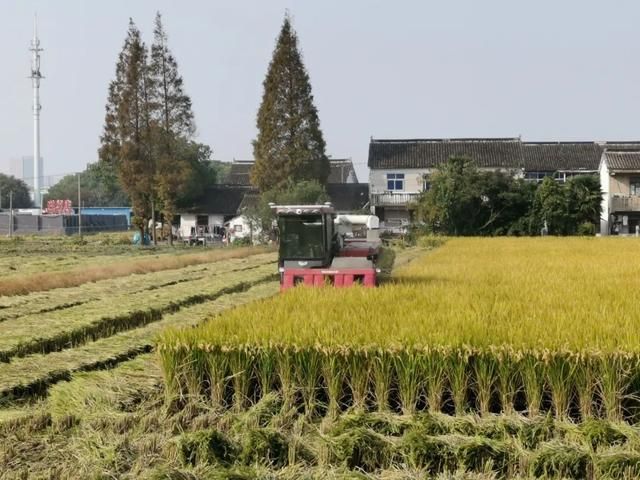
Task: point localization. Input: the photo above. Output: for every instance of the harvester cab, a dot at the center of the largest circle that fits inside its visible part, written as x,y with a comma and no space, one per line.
315,249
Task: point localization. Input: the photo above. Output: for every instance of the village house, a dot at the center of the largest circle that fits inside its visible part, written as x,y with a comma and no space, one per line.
400,169
223,207
620,183
219,204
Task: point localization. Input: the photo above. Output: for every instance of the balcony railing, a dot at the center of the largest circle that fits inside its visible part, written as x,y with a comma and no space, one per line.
630,203
393,199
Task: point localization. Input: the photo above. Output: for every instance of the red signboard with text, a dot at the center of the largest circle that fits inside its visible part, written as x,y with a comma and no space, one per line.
59,207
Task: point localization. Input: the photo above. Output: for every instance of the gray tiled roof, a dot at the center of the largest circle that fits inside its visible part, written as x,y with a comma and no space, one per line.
342,171
553,156
623,159
429,153
506,153
220,199
239,172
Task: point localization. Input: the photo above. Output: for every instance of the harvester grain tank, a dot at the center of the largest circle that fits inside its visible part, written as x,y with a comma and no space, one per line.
318,247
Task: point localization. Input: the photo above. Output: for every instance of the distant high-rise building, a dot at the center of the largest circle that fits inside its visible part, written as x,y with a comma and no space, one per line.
16,168
28,171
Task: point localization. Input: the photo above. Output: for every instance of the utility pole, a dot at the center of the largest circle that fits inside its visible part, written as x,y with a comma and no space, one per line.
36,76
11,213
79,209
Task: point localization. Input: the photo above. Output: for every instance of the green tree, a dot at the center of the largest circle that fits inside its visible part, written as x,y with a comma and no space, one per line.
127,139
21,197
463,200
506,202
202,172
99,187
171,111
306,192
452,203
290,146
585,199
551,207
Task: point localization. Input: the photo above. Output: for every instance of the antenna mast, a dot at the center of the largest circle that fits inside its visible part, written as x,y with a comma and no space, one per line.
35,82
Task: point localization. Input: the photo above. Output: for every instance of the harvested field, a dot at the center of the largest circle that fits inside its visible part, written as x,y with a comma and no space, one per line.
82,334
32,374
62,298
20,284
87,322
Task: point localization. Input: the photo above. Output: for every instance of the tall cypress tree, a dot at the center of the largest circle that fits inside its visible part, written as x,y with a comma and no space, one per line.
127,139
173,118
290,146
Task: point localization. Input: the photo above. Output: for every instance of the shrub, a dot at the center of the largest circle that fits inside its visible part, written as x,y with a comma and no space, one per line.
586,229
242,242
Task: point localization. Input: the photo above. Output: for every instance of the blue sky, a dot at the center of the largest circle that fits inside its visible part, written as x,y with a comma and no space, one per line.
546,70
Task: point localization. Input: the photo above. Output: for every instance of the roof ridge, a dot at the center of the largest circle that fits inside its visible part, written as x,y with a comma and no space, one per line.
445,140
562,142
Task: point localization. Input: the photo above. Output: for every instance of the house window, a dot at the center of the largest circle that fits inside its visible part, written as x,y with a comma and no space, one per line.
535,176
237,228
426,183
560,177
634,186
395,181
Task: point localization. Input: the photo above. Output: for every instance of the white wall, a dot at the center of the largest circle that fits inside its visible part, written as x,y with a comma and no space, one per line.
216,219
413,179
240,227
605,215
189,221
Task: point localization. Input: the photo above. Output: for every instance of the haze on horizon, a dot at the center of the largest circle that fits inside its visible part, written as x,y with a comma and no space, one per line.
410,69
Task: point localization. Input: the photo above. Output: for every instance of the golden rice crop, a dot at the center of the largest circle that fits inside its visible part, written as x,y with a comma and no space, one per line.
484,324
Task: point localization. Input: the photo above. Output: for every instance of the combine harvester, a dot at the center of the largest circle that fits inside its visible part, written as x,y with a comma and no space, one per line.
318,247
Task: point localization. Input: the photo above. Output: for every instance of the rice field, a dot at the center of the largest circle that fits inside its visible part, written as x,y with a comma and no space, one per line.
201,372
480,325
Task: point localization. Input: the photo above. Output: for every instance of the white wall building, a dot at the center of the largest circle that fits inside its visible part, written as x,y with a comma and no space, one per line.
620,184
400,169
